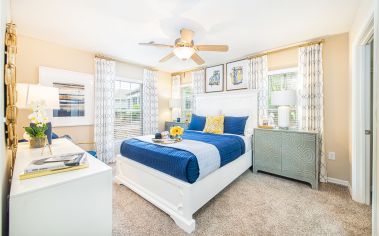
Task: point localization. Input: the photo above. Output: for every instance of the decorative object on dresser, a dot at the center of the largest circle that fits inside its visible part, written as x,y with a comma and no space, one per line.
290,153
169,124
71,203
76,96
237,75
284,99
214,79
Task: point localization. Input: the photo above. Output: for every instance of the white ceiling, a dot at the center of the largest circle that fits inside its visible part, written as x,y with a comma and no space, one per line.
114,27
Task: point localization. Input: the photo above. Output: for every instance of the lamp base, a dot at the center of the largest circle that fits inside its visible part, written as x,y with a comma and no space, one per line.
283,117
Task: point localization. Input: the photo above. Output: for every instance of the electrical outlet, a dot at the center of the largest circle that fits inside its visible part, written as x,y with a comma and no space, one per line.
332,156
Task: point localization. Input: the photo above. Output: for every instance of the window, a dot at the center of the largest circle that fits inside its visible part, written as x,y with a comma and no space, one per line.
128,109
283,80
187,100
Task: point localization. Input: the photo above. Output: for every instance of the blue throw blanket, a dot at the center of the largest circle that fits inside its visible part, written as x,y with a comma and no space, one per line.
178,163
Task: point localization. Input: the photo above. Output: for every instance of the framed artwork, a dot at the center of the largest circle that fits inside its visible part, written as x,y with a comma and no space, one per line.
76,96
214,79
237,75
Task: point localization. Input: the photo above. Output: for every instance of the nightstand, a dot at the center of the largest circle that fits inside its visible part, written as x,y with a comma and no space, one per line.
289,153
169,124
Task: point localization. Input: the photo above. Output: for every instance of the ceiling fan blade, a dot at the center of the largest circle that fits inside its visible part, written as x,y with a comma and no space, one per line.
197,59
186,35
167,57
218,48
156,45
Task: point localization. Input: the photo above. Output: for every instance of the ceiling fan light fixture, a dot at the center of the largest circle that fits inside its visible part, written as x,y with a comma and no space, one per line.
184,53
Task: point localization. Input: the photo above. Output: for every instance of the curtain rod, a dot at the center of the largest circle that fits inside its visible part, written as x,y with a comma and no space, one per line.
258,54
124,62
302,44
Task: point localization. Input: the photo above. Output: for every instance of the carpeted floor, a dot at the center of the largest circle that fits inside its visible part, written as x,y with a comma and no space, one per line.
254,204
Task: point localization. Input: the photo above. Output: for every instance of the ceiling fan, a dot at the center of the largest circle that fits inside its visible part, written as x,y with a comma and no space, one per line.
185,48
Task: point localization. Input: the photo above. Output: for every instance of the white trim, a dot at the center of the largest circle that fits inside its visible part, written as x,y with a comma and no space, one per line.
358,180
375,162
339,182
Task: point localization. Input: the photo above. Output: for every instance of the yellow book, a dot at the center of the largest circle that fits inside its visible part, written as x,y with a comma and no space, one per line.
51,172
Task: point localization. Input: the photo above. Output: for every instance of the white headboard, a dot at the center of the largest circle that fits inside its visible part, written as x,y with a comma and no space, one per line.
233,103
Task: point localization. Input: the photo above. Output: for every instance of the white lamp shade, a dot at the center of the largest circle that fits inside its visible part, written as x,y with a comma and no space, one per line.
174,103
31,93
22,95
184,53
283,98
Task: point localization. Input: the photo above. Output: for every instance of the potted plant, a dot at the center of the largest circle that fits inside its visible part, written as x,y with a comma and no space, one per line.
35,133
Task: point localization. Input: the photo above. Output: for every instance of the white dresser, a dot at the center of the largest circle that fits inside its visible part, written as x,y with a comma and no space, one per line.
72,203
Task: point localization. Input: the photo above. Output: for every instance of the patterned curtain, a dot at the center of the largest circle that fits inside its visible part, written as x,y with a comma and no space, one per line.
175,95
259,81
311,100
104,109
198,85
150,102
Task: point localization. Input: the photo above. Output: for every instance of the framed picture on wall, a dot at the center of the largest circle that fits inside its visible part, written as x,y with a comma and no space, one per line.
76,96
237,75
214,79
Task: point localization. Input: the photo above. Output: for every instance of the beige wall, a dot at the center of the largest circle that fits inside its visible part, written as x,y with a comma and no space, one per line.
336,96
33,53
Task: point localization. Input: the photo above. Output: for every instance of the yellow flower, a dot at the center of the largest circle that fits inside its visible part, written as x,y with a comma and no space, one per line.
176,130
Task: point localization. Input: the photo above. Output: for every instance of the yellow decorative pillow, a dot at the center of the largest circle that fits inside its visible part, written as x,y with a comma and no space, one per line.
214,124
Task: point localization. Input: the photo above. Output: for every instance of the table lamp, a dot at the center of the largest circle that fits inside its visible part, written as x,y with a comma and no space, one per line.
284,99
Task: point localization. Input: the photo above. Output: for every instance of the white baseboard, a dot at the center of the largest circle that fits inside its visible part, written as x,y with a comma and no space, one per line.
339,182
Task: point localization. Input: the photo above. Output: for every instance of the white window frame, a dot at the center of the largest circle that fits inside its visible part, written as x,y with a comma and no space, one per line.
137,81
299,85
189,85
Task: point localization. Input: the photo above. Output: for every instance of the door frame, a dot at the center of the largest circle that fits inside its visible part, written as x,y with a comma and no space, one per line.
360,189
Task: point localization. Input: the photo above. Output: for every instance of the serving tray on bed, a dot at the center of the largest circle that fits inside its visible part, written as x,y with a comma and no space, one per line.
165,141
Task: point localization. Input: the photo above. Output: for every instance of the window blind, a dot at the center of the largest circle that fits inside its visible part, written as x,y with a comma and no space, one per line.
128,109
283,80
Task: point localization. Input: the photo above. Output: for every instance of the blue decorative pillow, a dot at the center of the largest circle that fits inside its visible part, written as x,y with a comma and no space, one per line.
235,125
197,123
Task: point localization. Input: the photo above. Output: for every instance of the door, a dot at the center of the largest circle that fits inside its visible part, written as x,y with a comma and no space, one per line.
368,117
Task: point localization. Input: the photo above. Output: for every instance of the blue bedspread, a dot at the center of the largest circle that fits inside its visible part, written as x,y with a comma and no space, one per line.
179,163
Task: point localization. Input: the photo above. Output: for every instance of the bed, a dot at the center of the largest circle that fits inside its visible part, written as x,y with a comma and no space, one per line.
182,190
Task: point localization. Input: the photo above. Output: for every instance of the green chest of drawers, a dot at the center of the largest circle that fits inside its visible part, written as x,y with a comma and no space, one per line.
293,154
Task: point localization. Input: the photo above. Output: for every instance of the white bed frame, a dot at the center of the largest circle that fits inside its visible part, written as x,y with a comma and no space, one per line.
177,198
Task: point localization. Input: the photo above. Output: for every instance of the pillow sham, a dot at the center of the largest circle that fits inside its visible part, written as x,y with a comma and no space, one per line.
197,123
214,124
235,125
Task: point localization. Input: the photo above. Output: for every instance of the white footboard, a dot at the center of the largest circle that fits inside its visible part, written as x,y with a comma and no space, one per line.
175,197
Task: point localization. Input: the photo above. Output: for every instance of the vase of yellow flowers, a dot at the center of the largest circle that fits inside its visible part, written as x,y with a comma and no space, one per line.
176,133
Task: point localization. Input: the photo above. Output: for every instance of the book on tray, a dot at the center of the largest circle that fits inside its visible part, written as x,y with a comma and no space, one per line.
55,164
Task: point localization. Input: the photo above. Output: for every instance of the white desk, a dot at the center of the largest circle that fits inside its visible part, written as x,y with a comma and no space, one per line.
77,202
